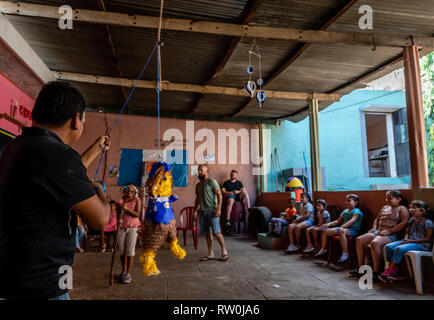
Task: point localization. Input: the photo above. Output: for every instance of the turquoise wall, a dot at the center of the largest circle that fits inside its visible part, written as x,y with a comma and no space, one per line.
341,148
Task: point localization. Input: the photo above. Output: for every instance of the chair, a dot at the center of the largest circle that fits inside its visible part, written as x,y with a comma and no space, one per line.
238,214
351,244
413,259
190,224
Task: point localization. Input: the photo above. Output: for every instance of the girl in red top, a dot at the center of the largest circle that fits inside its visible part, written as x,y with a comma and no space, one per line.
131,207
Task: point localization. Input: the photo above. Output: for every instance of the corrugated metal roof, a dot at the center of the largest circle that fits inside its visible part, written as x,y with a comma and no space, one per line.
192,57
222,10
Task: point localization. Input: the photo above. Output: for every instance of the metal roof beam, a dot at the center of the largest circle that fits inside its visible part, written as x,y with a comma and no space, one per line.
218,28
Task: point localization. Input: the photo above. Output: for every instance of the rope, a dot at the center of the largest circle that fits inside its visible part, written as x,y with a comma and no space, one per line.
158,47
123,108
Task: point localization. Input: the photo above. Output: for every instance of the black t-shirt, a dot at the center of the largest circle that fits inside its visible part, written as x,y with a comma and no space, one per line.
40,179
233,186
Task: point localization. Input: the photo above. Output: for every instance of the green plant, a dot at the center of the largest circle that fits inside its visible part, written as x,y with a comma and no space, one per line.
427,68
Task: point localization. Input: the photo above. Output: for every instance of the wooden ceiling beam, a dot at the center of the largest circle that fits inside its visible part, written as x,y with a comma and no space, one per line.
182,87
218,28
291,59
247,15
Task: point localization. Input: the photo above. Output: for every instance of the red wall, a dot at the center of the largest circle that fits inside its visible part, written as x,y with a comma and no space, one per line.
139,132
11,95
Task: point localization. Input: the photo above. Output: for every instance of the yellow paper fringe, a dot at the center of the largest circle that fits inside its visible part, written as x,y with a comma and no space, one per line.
176,249
149,264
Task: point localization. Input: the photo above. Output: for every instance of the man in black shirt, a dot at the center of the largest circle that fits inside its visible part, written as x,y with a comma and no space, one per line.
234,191
43,186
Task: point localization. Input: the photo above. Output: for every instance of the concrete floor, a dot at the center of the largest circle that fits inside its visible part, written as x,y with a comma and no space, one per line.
250,273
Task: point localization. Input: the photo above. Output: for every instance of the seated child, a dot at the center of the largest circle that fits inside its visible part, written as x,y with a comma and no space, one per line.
290,214
109,230
387,227
417,238
305,220
348,224
323,218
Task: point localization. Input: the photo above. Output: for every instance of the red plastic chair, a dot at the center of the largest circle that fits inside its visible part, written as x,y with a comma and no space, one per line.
189,224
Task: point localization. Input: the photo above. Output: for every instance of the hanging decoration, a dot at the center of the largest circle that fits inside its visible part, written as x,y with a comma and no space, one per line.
254,89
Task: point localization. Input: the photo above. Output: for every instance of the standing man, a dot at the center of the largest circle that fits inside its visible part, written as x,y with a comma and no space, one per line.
234,191
43,187
209,200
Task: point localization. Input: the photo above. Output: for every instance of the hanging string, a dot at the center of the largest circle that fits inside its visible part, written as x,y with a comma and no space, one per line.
159,72
123,108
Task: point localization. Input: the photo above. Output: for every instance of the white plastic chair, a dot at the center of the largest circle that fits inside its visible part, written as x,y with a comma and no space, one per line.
413,259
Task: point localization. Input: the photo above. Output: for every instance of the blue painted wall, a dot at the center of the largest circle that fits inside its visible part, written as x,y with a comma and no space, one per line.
341,149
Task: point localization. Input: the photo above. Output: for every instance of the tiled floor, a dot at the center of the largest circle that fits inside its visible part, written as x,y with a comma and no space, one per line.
250,273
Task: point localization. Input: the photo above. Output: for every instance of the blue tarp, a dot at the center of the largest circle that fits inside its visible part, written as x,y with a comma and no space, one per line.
130,167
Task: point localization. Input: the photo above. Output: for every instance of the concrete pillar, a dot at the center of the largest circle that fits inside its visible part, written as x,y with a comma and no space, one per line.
415,119
314,146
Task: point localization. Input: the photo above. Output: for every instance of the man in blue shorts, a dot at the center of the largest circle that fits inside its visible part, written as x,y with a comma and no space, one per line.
233,189
209,200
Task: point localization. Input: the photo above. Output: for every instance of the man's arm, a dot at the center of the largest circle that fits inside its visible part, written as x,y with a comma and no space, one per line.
95,149
94,211
225,192
219,203
196,207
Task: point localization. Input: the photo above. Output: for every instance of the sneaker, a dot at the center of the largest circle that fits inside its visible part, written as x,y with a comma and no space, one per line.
344,257
383,276
321,252
78,249
127,278
292,248
308,249
228,223
394,275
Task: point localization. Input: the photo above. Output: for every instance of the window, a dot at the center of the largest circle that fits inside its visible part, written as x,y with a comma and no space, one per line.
386,142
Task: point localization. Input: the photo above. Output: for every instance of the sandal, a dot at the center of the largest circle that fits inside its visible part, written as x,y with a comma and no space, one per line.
206,258
225,257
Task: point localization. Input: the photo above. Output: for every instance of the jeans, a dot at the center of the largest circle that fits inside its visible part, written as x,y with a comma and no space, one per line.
277,223
395,251
64,296
79,235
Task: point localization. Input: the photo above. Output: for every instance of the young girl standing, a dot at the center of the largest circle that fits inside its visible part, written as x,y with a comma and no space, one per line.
131,206
305,220
348,224
323,217
418,237
391,220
